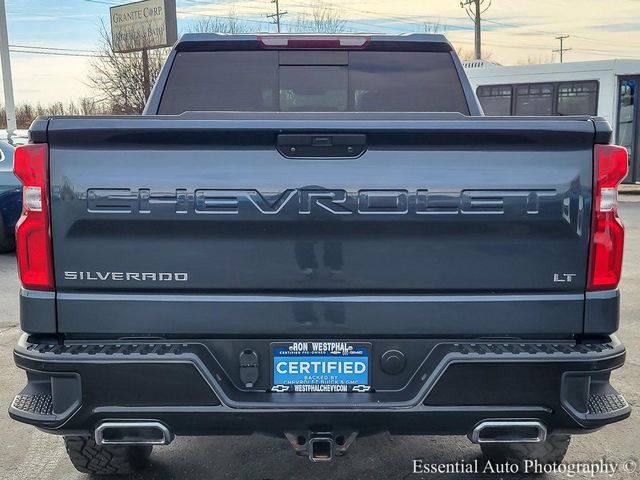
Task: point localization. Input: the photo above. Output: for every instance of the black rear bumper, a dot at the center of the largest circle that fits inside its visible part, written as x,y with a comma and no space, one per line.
192,388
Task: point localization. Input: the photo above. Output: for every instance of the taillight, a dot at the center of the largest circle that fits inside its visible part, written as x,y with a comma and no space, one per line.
313,41
33,236
607,232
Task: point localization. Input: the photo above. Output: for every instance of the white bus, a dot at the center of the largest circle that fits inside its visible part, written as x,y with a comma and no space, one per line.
607,88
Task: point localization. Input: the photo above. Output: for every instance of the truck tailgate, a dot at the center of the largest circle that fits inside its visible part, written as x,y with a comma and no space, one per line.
166,225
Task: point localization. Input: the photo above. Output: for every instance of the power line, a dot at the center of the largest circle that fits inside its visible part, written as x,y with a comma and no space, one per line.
542,32
210,4
53,48
79,18
303,9
407,19
228,17
385,16
399,20
402,19
103,2
63,54
459,27
603,53
369,14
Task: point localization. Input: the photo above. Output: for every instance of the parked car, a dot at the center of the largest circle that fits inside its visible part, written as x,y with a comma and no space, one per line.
10,198
319,237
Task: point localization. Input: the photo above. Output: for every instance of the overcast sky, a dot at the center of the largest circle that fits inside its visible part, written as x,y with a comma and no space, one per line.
513,31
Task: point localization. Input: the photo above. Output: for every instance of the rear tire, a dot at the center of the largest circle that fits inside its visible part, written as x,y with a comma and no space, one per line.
552,451
89,457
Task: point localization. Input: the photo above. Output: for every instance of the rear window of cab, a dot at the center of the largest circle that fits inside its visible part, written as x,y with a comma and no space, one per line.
313,81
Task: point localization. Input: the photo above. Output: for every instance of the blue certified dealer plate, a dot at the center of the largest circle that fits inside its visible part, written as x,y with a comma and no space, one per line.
319,366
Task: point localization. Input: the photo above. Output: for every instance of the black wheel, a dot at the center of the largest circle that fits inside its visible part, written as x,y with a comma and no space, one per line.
552,451
89,457
7,238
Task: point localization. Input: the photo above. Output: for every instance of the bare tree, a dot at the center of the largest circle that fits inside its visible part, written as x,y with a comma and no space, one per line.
465,55
323,18
119,77
89,106
229,24
536,60
434,27
468,55
27,112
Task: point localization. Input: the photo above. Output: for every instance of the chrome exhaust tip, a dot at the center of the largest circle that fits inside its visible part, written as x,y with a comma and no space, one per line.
133,433
509,431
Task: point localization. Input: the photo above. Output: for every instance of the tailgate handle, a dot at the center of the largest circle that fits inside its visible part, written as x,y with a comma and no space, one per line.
306,145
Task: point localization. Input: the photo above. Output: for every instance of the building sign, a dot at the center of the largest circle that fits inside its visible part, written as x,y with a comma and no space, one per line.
142,25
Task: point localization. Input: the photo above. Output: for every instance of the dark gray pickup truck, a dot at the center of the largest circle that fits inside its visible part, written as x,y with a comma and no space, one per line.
320,237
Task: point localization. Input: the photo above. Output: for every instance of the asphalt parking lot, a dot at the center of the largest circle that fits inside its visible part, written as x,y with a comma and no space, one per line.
27,453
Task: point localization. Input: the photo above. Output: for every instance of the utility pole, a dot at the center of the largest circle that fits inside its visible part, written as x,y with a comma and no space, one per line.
475,9
276,16
146,82
561,50
7,81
